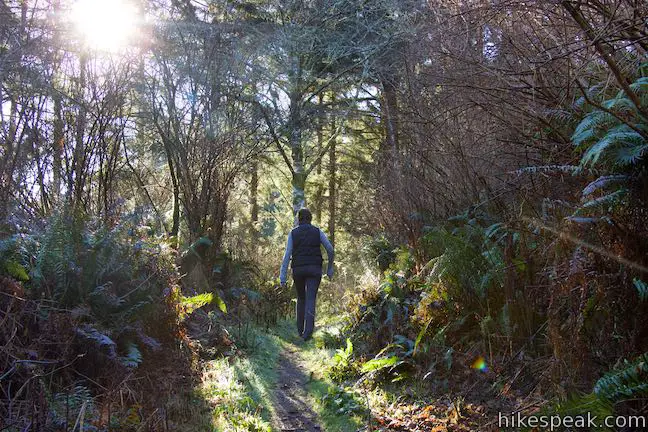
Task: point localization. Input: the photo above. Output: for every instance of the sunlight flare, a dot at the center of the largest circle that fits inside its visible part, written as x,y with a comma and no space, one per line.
105,24
479,364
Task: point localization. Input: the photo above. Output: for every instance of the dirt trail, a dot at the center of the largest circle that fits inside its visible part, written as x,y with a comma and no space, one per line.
292,410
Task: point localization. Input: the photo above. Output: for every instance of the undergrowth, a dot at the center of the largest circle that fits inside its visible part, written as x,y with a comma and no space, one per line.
98,312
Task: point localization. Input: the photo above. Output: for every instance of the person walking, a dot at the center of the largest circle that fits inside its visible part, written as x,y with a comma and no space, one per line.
303,248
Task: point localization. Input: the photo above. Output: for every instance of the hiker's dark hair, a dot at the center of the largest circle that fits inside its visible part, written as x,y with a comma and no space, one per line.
304,216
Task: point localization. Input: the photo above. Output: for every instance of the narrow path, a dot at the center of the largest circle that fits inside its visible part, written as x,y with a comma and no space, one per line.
293,412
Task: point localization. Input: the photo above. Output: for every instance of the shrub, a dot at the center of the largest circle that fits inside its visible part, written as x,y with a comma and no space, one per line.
95,305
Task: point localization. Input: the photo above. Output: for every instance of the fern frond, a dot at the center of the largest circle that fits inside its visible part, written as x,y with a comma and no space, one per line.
380,363
99,338
589,403
630,381
620,104
603,182
492,230
133,357
606,200
580,103
586,220
616,137
560,115
625,156
196,302
640,85
547,169
16,271
642,288
591,126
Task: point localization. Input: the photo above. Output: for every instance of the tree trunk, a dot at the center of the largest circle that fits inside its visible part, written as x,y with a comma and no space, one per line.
78,162
59,125
254,201
295,138
299,189
390,115
297,154
320,187
57,153
175,226
218,218
332,185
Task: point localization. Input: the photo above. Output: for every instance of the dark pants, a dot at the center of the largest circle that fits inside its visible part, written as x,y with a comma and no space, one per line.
307,280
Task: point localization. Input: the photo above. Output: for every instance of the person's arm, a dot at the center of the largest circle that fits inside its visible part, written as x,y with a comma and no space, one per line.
286,259
329,250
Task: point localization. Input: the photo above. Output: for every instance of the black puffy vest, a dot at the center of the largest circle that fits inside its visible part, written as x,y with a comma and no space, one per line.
306,246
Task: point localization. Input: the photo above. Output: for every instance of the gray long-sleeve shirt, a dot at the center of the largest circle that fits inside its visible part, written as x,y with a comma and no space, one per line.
288,254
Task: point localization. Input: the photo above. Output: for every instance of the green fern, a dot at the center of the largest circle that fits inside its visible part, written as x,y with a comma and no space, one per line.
197,301
607,139
607,200
577,405
220,303
604,182
342,363
640,85
16,271
642,288
619,104
617,141
99,338
15,256
377,364
591,126
133,357
70,403
630,155
629,381
548,169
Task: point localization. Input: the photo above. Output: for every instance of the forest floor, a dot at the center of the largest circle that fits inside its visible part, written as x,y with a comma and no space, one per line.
271,382
302,392
277,382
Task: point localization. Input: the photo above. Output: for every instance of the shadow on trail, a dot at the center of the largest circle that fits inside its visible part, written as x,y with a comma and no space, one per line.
292,410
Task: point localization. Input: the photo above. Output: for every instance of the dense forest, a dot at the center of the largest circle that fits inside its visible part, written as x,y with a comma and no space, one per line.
479,166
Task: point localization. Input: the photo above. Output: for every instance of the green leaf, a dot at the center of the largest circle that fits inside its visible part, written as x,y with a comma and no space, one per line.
630,155
16,271
603,182
379,363
493,229
614,138
220,303
590,127
625,382
200,300
641,85
619,104
609,199
349,348
133,357
197,301
642,288
419,337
